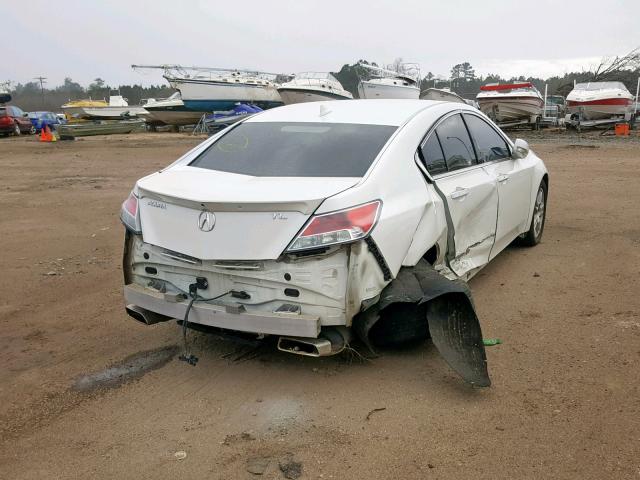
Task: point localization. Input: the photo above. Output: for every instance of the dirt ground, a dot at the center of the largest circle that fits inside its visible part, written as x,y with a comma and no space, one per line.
565,400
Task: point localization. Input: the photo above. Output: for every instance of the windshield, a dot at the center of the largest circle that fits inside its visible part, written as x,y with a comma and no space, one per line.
275,149
600,86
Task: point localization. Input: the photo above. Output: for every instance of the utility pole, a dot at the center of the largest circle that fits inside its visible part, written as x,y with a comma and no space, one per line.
42,82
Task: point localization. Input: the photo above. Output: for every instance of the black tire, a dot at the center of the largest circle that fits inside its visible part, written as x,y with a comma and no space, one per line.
532,237
32,130
16,130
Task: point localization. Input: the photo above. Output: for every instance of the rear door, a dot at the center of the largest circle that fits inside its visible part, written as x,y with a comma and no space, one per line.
469,192
513,178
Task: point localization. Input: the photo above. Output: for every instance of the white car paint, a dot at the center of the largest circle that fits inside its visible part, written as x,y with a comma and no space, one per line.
481,209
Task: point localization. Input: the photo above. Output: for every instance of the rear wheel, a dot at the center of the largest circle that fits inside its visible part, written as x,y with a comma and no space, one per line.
400,324
534,235
16,129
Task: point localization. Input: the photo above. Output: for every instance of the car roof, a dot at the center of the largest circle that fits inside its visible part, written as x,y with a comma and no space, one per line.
369,112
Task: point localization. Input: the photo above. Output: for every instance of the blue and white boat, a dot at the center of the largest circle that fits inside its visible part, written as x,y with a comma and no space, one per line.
214,90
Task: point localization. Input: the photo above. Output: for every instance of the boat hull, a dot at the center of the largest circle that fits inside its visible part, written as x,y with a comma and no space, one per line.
211,96
292,95
371,90
174,117
100,128
225,105
511,109
600,109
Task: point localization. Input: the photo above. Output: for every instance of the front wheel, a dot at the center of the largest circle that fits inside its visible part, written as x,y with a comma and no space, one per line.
32,130
534,235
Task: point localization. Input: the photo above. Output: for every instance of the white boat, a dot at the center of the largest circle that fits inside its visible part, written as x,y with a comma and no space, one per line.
312,87
117,108
211,90
510,102
402,82
445,95
600,100
169,111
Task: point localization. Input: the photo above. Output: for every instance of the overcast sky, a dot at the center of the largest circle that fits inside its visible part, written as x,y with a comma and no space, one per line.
89,39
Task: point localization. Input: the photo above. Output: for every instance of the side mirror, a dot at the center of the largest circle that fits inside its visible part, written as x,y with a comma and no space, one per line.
520,149
25,115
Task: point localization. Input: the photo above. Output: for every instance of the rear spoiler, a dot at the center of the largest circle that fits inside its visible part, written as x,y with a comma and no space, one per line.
506,86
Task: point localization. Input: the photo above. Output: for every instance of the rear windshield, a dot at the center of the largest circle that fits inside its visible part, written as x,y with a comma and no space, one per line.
276,149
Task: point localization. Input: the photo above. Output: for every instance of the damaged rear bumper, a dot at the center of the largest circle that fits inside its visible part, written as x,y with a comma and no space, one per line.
223,316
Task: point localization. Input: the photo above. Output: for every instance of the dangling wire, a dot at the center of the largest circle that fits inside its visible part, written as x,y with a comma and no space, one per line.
186,355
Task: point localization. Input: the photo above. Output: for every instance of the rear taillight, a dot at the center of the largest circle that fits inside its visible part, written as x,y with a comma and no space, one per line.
337,227
130,214
6,119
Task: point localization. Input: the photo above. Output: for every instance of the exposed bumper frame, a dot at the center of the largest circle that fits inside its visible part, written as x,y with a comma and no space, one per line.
219,316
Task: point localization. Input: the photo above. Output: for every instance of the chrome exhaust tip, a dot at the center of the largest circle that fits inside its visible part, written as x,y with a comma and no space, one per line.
310,347
330,342
145,316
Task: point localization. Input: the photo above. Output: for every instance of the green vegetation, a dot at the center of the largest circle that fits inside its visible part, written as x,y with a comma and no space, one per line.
29,97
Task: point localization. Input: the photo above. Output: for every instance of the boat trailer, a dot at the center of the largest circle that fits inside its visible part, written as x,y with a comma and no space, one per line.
578,122
534,121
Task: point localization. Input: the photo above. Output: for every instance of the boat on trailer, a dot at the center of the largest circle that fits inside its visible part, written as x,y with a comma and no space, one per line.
212,90
511,103
400,82
206,89
312,87
600,100
169,111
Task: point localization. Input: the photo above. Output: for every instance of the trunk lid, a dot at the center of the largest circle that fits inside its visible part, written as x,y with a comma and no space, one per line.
213,215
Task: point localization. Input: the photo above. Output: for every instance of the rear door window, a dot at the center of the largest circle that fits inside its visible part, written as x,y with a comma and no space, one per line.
456,143
279,149
489,144
432,155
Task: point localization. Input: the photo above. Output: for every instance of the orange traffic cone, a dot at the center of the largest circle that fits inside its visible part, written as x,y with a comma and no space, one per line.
45,135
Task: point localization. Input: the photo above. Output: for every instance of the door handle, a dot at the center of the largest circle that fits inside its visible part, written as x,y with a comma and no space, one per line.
460,192
503,177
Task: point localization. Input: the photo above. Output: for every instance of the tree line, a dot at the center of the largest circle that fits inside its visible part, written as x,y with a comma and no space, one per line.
30,97
462,80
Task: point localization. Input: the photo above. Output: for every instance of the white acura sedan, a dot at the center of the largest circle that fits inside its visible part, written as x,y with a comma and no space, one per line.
306,220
